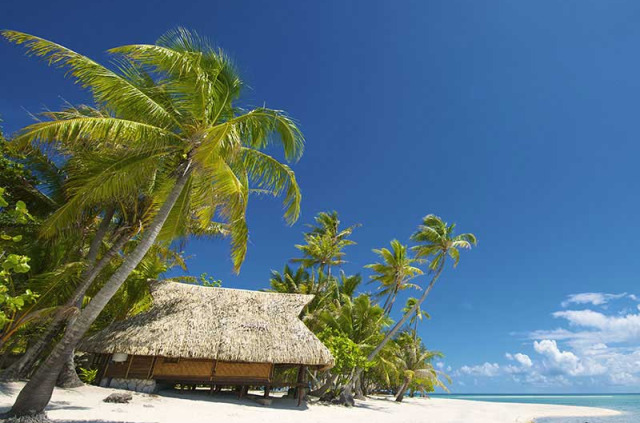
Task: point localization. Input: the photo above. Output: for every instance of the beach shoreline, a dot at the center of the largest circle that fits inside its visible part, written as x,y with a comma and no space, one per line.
85,404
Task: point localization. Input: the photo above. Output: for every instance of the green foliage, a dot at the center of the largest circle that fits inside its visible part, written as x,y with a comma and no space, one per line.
436,240
209,281
347,353
134,295
165,108
18,176
325,242
291,282
418,313
353,325
11,302
204,280
88,375
394,272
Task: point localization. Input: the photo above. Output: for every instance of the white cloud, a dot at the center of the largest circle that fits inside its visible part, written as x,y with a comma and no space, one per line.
556,360
601,328
522,359
486,369
595,298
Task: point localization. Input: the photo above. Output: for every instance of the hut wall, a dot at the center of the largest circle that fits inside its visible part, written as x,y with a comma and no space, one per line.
230,370
140,367
135,367
118,370
189,368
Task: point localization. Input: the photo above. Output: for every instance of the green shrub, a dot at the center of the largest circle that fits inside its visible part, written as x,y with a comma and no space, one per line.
88,375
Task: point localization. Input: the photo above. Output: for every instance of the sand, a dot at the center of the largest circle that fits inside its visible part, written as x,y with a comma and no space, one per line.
85,405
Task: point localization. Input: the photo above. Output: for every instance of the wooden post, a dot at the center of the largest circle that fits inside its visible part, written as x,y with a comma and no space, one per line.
267,390
302,377
153,364
126,375
244,390
106,367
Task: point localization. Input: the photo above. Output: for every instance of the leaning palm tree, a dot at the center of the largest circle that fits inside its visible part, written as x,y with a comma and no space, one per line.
394,273
436,242
413,361
175,127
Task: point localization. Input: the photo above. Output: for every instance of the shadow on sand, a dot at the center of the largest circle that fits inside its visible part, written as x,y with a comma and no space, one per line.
224,397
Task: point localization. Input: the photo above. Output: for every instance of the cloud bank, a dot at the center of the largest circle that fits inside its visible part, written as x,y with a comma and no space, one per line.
598,345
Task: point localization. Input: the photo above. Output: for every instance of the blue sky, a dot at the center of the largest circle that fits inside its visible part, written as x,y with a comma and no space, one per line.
516,120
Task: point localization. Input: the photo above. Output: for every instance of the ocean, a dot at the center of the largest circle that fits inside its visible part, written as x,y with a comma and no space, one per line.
628,404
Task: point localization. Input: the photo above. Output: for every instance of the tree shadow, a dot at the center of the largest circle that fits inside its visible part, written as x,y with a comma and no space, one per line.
9,388
94,421
64,405
277,403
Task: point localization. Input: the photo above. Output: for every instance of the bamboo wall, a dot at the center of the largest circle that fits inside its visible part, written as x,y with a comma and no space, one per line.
160,368
229,370
189,368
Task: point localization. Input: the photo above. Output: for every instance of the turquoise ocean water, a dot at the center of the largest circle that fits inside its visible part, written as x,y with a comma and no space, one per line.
628,404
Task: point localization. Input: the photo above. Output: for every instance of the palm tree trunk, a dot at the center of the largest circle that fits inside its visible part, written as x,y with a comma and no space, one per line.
393,300
358,388
37,392
403,389
324,388
94,247
406,316
68,377
21,368
385,306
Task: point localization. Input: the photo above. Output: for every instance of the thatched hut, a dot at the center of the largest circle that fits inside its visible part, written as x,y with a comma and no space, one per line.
214,336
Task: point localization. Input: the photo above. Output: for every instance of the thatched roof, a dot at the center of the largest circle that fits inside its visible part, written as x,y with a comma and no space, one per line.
192,321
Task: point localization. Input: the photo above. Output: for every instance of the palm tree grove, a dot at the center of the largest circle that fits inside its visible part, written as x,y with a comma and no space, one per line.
99,199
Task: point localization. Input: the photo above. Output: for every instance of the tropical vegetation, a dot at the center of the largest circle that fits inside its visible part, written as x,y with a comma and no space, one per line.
165,153
96,200
373,353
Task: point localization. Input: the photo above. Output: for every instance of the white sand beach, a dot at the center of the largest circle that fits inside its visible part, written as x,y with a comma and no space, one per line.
85,405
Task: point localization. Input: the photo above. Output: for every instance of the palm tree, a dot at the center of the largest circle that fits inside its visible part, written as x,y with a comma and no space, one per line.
417,316
175,127
359,320
436,241
413,359
291,282
394,273
325,242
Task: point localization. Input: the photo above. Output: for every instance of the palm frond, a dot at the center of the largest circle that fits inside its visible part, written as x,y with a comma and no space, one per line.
104,178
97,130
270,174
107,86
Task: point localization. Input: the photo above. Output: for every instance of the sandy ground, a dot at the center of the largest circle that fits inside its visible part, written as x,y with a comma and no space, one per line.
85,405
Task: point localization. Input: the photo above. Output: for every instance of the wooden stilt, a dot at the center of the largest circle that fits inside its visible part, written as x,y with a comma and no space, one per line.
300,389
243,391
